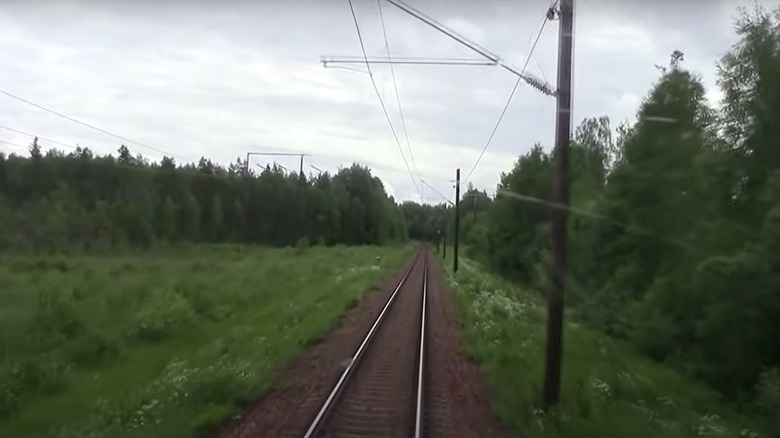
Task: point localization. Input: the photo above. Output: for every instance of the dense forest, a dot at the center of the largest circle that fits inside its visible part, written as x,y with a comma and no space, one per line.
674,225
79,201
435,222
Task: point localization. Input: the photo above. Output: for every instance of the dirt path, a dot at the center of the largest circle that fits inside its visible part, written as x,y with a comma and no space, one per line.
455,389
456,403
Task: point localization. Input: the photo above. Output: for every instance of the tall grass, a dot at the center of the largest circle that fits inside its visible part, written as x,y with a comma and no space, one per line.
609,390
163,343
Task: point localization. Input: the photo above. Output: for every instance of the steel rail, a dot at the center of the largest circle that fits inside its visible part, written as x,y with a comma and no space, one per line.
331,401
418,417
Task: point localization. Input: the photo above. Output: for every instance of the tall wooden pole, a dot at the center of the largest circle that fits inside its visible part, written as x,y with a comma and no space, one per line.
457,221
554,351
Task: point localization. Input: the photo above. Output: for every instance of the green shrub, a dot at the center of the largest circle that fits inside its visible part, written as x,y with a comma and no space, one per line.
201,300
768,398
211,417
302,244
161,315
216,386
56,315
22,380
92,349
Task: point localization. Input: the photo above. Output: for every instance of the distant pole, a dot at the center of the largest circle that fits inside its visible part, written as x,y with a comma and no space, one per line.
438,242
554,353
300,172
457,221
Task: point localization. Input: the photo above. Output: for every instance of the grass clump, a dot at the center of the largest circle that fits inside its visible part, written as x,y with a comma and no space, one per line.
165,343
609,389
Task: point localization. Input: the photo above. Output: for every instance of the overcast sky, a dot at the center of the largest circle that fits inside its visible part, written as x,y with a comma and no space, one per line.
220,79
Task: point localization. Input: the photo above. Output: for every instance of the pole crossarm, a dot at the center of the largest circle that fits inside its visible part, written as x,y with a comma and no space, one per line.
403,60
531,80
274,154
278,154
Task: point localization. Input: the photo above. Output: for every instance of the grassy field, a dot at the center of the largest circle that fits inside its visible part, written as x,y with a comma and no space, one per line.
167,343
608,389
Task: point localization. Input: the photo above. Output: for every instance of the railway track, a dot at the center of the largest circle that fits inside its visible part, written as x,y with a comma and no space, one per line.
381,391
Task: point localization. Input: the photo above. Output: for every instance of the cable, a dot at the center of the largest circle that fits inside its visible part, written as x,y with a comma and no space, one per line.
39,138
436,191
381,102
12,144
21,99
441,28
397,95
511,95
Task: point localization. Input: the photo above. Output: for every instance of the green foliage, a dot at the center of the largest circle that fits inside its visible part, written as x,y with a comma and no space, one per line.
608,388
161,314
436,223
768,397
302,244
81,202
91,350
168,342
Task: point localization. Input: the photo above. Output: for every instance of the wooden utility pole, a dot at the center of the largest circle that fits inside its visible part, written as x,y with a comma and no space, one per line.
444,234
554,351
457,221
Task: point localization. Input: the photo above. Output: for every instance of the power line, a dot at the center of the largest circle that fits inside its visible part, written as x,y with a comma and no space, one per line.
397,95
441,28
21,99
12,144
379,96
39,138
436,191
511,95
493,58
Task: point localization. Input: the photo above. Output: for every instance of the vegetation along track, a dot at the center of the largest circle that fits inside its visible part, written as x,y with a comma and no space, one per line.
381,390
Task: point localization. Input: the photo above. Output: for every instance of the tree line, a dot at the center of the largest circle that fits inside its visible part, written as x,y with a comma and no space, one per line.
80,201
675,220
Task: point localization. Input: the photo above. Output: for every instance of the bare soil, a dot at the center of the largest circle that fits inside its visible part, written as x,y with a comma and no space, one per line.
456,398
